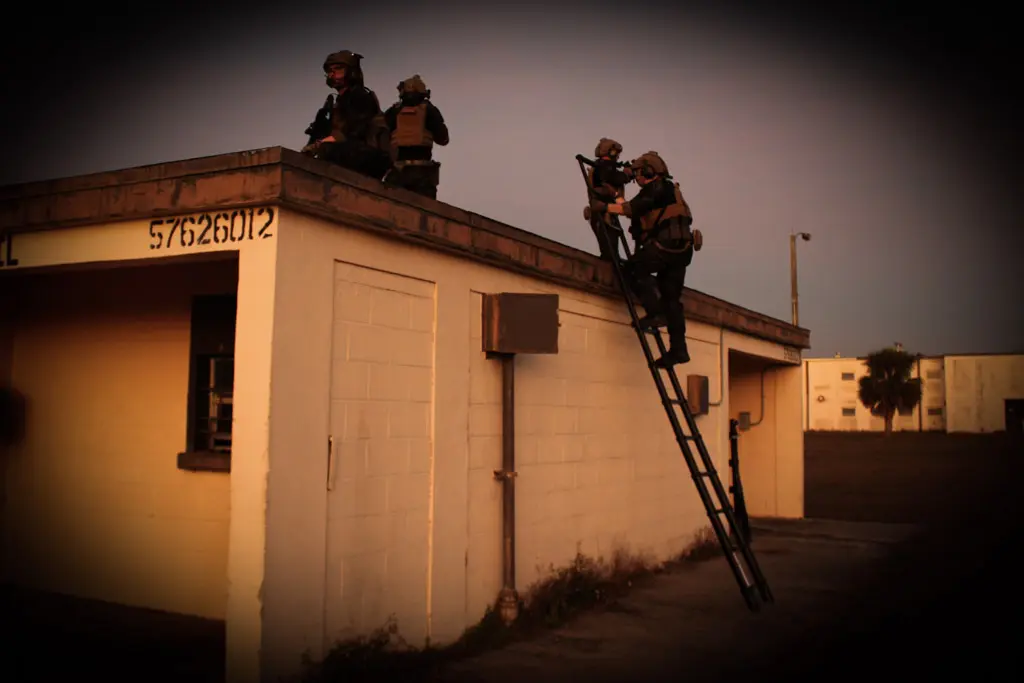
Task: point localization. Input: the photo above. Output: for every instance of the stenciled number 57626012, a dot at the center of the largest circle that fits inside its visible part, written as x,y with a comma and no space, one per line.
211,228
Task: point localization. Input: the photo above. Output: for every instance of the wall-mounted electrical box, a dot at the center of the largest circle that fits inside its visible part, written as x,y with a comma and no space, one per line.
697,394
744,421
520,323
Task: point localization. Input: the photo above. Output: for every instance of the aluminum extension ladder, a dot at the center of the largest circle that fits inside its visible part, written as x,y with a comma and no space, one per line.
736,547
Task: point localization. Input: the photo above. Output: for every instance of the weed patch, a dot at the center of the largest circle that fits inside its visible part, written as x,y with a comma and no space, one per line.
584,584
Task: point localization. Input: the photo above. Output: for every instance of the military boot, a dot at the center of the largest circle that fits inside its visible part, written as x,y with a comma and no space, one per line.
650,321
676,355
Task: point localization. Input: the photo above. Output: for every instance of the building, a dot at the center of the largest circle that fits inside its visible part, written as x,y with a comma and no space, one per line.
961,393
257,392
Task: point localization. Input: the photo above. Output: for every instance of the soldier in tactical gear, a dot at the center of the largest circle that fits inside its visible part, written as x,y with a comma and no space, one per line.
665,243
415,125
607,178
350,129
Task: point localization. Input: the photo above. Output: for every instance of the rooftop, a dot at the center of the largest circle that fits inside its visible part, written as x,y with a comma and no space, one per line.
286,177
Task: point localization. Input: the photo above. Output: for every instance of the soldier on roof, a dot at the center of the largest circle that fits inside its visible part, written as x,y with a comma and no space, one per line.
350,129
416,125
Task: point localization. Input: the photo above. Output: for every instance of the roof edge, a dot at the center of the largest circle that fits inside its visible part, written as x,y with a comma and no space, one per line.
284,176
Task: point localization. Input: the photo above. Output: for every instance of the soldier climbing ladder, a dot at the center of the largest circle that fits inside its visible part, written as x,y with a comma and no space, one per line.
738,552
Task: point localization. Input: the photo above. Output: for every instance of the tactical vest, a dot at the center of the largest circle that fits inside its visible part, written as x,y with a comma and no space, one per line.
338,121
678,209
376,129
605,189
411,129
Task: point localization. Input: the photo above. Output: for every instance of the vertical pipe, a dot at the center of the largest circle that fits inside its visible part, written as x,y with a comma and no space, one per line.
807,393
508,600
792,279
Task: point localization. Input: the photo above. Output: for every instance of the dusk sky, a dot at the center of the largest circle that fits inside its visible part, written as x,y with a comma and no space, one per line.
889,159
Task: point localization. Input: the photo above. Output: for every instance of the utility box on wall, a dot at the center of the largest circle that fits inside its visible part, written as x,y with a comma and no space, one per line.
697,394
520,323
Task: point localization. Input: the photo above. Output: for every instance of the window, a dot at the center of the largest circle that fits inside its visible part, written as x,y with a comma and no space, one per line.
849,412
905,412
215,378
847,376
935,412
211,384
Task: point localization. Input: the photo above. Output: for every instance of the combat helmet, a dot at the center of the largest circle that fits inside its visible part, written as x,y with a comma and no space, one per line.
607,147
348,59
650,164
342,58
413,85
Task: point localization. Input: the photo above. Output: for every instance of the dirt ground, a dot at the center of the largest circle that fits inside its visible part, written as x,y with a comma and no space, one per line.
902,570
906,477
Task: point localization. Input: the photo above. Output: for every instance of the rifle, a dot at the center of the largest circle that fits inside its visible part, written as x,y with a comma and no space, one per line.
321,126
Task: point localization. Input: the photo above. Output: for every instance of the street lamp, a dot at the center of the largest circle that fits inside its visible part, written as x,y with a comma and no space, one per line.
806,236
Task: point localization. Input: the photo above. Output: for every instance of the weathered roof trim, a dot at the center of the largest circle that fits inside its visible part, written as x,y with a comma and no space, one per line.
285,177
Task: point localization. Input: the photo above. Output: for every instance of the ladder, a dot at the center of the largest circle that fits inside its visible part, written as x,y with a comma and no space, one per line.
736,547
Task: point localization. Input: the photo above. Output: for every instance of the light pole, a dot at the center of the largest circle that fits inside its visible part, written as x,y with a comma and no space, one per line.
806,236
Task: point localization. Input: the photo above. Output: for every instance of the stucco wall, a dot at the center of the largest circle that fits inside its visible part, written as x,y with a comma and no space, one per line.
830,394
976,390
95,504
959,394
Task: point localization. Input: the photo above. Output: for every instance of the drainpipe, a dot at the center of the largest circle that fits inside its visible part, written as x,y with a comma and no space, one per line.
764,370
721,368
508,599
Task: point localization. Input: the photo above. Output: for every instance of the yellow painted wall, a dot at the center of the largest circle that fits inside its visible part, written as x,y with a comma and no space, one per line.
829,397
771,451
933,395
95,504
598,466
976,390
376,344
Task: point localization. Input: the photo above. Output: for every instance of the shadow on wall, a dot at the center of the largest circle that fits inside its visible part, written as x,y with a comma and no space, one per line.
12,416
13,408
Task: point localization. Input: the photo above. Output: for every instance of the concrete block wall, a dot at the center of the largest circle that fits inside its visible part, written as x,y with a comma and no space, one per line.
381,414
598,466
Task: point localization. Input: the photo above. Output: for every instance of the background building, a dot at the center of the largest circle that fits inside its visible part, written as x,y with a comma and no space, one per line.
961,393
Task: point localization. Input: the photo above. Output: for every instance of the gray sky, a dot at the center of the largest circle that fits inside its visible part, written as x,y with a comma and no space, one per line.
767,130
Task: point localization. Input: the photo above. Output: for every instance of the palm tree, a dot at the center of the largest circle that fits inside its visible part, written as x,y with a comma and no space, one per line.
888,386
